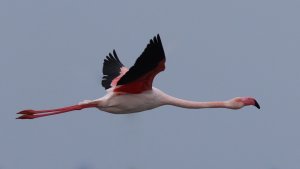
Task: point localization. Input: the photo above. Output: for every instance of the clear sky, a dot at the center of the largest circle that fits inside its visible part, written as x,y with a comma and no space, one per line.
51,56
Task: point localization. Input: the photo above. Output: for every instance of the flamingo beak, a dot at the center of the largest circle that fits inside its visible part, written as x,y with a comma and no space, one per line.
256,104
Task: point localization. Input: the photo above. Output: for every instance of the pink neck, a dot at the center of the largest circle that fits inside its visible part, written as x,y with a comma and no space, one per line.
195,105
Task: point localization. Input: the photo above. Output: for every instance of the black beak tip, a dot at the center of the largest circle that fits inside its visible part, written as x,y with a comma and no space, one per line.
257,105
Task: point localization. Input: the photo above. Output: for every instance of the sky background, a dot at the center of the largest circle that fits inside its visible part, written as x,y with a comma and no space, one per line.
51,56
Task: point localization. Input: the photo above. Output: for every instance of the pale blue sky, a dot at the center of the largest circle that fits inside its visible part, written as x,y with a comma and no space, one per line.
51,56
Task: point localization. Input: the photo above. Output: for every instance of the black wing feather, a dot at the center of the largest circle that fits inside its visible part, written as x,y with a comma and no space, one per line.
149,59
111,69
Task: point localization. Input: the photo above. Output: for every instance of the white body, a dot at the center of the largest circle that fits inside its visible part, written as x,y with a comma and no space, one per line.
132,103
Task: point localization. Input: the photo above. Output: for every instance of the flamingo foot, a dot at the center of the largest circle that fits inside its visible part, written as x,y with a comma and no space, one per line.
27,112
26,116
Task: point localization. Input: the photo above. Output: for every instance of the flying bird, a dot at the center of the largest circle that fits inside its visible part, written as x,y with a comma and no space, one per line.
130,90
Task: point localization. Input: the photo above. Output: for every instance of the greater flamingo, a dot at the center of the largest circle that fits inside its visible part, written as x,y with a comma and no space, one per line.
131,90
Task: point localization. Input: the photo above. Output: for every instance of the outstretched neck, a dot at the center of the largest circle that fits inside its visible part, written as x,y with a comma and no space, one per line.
194,104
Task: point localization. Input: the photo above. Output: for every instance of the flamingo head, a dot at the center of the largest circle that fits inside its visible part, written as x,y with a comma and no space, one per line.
240,102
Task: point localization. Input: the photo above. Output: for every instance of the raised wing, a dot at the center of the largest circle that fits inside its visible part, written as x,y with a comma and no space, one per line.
140,76
113,70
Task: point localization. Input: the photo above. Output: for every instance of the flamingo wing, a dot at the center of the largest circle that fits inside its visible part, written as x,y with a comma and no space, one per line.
140,76
113,70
